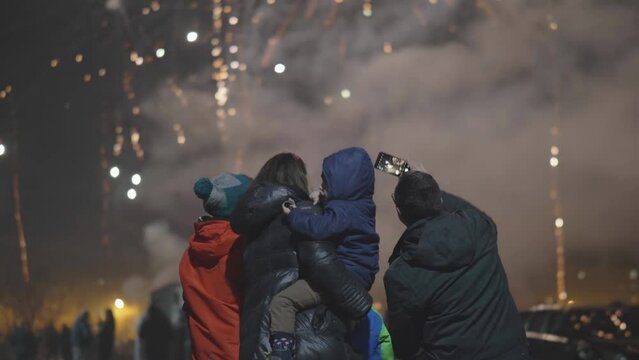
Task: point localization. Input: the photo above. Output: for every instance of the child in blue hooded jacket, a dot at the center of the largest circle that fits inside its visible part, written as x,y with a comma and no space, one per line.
349,218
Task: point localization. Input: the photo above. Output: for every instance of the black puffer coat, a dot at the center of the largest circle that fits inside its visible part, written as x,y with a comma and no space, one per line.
271,265
447,290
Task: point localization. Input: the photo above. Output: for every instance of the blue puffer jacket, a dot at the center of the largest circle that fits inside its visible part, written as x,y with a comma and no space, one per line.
349,213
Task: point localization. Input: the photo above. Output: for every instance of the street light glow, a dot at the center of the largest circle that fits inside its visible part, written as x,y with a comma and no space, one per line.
119,303
559,223
160,53
345,93
114,172
191,36
2,149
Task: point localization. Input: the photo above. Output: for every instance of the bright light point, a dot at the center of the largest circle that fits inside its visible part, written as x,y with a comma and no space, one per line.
563,296
233,49
181,139
139,61
279,68
634,274
191,36
136,179
553,26
345,93
388,47
570,302
433,1
554,150
554,162
270,2
559,223
54,63
102,72
367,9
114,172
159,53
581,275
235,64
119,304
233,20
78,58
2,149
131,194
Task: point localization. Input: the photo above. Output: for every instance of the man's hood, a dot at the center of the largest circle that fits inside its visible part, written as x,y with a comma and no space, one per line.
211,241
261,203
349,174
441,243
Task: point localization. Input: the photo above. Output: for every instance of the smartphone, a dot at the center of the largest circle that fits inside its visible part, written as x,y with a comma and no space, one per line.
391,164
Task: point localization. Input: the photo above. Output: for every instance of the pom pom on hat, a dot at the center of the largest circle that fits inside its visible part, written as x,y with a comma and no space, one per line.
203,188
221,193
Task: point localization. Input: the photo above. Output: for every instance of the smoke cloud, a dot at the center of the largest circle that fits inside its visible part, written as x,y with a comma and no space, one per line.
470,89
164,250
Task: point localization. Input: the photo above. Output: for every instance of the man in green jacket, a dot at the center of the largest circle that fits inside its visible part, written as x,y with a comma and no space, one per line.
446,288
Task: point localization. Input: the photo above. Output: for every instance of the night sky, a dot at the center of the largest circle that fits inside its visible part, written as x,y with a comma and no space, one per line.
470,89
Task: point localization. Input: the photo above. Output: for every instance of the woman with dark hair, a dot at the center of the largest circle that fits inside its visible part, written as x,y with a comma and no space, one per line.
272,261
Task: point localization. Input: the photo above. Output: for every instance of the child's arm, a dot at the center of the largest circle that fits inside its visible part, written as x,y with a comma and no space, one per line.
332,222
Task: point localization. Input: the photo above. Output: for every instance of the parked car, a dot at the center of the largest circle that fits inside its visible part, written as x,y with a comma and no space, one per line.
557,332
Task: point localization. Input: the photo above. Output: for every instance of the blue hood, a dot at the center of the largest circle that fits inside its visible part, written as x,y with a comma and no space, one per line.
349,174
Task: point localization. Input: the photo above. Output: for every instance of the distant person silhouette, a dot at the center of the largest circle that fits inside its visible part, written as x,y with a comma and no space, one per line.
65,343
156,333
23,342
82,338
51,342
106,336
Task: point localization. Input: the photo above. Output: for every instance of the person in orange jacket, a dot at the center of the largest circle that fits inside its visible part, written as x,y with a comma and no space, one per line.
211,271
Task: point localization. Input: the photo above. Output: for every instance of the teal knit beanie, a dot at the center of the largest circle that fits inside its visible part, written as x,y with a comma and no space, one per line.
220,194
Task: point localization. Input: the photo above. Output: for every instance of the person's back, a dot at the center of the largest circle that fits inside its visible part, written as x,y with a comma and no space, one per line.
23,342
271,265
448,292
82,337
65,343
156,333
349,213
106,336
211,271
51,341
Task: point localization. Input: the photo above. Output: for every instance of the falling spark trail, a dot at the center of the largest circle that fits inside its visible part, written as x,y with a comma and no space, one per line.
279,33
17,215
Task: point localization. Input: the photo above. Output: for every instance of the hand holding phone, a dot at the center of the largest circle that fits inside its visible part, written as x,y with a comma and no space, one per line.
391,164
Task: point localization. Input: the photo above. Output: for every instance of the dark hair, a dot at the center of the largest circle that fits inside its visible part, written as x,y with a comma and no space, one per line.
417,196
285,169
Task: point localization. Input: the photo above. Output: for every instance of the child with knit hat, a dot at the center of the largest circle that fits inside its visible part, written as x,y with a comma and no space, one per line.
211,271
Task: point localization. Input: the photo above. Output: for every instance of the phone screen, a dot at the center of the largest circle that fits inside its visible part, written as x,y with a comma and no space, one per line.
391,164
